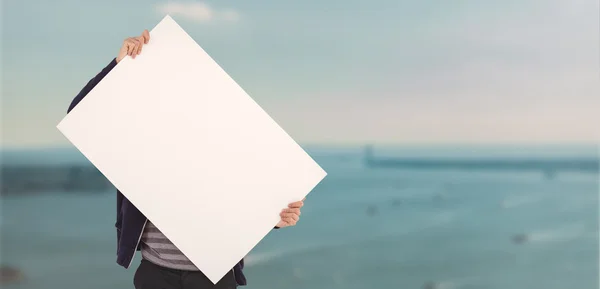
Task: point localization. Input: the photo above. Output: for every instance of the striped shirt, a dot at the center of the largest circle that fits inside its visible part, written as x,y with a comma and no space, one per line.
157,249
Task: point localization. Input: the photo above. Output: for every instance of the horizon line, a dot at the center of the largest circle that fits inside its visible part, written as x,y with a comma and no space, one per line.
374,145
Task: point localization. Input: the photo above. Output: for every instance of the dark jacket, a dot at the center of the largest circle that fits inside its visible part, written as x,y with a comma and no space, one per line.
130,221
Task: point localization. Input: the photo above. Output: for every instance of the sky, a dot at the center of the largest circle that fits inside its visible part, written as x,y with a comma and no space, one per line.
334,72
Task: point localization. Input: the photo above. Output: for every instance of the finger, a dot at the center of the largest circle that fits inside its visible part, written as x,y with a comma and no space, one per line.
298,204
130,46
146,36
136,47
293,211
140,44
286,215
289,221
292,216
126,45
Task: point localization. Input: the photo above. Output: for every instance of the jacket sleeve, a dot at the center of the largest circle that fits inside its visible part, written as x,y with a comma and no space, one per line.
91,84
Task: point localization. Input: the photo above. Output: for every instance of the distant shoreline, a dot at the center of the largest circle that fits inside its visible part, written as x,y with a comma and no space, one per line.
25,179
29,171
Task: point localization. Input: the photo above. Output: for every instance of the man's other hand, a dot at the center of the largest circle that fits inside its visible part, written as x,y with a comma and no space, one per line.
290,215
132,46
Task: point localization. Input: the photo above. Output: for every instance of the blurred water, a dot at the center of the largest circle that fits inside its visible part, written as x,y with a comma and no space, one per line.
360,228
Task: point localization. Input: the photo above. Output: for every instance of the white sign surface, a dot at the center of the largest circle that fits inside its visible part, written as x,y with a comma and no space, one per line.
191,150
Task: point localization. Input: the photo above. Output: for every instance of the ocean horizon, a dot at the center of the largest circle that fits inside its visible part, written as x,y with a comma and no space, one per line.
70,154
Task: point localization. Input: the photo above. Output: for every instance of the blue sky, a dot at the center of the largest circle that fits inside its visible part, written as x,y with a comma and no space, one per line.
334,72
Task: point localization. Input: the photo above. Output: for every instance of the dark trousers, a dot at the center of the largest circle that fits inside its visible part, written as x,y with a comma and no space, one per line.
151,276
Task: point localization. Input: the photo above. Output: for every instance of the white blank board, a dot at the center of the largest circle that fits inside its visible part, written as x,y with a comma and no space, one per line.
191,150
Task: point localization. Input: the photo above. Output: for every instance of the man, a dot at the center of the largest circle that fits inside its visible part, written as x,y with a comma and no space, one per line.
163,266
